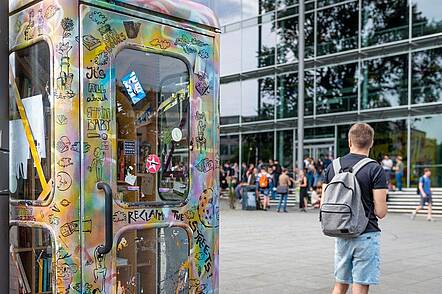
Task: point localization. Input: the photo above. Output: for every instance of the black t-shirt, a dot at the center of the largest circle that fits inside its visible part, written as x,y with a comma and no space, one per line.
370,177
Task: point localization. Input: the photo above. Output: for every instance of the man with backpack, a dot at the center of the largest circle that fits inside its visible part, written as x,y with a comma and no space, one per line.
263,186
354,198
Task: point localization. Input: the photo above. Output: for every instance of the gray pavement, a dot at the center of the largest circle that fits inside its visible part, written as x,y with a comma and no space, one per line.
267,252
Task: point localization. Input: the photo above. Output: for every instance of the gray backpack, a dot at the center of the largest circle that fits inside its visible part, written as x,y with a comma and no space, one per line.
342,213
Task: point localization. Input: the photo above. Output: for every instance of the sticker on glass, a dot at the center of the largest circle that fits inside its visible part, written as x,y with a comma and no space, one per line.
177,135
133,87
153,164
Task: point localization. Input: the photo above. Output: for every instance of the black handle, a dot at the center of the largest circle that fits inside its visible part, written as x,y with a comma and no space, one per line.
107,247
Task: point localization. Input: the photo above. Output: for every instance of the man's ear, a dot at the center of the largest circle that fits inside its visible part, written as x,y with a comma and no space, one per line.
349,142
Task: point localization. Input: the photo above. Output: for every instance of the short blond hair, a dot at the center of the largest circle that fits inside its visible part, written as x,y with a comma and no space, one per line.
361,135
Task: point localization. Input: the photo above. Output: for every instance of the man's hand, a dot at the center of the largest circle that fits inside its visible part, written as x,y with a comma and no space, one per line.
424,195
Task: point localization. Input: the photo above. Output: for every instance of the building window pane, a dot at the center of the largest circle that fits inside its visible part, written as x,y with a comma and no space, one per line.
426,148
319,133
229,148
427,17
337,89
231,53
322,3
385,82
287,98
257,146
284,148
384,21
230,107
338,28
258,99
228,13
427,76
258,47
254,7
390,139
287,38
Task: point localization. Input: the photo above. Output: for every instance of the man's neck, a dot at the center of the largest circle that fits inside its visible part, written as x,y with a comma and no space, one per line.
360,152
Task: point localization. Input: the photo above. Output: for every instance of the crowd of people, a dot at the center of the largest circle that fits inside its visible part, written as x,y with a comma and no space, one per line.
272,180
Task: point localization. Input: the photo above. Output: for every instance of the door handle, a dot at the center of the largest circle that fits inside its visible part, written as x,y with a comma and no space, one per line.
108,211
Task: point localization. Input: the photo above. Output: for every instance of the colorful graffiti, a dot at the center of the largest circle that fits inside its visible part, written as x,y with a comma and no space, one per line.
85,150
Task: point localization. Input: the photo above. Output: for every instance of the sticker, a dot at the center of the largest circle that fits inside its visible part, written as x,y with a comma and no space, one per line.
129,147
153,164
133,87
177,135
130,179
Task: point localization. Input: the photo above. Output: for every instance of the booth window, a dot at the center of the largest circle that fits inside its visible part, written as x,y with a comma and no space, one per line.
152,111
30,123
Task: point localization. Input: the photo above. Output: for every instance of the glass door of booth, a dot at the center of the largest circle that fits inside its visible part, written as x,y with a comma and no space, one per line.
152,159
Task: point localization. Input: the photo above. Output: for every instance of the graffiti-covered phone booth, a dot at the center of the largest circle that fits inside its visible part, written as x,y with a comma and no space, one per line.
114,136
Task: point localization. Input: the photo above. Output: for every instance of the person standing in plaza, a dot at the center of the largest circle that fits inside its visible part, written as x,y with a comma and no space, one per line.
399,172
357,260
387,165
263,181
284,182
425,193
303,191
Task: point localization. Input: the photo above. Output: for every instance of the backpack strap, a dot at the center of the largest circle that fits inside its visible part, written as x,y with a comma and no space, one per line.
357,167
337,166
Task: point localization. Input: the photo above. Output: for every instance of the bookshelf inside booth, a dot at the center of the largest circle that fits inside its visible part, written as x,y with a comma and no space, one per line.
31,260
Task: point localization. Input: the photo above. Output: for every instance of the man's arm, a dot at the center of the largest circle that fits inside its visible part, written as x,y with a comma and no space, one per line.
421,189
380,202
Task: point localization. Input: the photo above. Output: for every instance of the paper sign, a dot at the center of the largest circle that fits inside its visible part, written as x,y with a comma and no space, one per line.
129,147
133,87
153,164
130,179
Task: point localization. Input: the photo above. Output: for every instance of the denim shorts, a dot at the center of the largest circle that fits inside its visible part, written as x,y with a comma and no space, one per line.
357,261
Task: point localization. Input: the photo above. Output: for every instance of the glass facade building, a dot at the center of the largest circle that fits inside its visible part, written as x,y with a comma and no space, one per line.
373,61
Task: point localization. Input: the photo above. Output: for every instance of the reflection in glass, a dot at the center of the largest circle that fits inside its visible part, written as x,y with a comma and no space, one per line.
231,57
338,28
384,21
287,98
322,3
230,97
287,38
337,88
426,148
427,76
150,161
258,46
385,82
31,261
31,68
319,133
284,148
390,139
229,149
257,146
427,17
258,99
154,261
254,8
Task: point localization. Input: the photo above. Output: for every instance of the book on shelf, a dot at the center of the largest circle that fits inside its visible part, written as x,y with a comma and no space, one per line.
22,273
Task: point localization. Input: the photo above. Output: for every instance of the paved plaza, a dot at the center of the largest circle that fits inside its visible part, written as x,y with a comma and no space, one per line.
267,252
